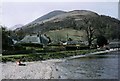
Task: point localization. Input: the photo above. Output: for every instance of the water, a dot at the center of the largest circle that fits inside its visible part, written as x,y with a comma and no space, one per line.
95,67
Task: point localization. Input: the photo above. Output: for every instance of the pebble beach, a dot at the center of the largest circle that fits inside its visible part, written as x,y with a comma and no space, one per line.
32,70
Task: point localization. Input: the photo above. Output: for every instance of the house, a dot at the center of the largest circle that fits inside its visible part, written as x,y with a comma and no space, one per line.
35,39
114,44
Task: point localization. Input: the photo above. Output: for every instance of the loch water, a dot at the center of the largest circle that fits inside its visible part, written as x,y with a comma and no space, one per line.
102,66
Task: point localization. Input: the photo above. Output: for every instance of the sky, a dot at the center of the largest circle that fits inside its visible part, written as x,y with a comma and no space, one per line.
15,12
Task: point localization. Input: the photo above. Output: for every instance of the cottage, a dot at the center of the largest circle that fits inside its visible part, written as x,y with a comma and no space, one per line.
36,39
114,44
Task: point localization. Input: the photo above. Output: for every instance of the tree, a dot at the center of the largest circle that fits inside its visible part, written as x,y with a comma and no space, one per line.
89,27
101,41
6,40
20,34
70,39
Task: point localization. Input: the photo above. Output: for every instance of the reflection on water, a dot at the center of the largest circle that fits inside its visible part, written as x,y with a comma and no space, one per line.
94,67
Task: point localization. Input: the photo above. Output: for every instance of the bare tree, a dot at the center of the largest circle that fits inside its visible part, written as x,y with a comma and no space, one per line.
89,27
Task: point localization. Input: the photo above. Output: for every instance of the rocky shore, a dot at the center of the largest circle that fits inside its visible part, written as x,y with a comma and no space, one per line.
32,70
48,69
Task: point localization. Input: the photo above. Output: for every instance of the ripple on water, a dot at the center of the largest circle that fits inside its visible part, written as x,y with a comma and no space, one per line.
97,67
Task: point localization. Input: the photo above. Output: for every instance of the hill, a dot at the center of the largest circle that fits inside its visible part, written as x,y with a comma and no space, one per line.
82,20
16,26
49,15
45,17
54,21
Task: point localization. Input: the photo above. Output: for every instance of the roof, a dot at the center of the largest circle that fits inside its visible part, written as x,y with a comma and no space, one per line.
38,39
31,39
114,44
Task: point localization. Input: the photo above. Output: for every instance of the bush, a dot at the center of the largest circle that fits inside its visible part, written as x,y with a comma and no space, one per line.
32,45
101,41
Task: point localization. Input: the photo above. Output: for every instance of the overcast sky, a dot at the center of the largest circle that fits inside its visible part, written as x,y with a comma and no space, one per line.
25,12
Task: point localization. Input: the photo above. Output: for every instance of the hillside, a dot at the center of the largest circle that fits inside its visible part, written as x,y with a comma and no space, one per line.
17,26
47,16
76,35
77,20
57,21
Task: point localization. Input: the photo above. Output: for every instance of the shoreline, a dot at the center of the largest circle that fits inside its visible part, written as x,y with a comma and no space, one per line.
76,56
33,70
47,69
94,53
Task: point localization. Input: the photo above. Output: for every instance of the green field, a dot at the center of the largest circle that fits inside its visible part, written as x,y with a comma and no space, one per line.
44,56
64,34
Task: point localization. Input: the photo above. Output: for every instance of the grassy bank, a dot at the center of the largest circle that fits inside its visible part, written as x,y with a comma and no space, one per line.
44,56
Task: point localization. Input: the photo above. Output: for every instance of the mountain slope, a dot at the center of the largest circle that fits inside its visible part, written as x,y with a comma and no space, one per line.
53,17
49,15
16,26
76,19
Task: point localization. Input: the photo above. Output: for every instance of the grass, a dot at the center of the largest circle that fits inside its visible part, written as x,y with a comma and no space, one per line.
66,33
44,56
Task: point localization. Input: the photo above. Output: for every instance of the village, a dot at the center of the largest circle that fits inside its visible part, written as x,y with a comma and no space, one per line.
42,47
59,40
34,57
